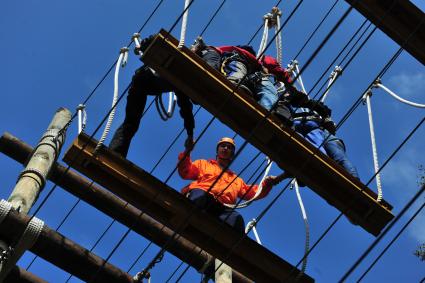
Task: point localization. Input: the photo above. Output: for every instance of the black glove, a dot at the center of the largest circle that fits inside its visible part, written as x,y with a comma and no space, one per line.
329,125
320,108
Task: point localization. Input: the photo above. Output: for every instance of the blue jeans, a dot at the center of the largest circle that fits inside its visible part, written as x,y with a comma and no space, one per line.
311,131
266,92
335,149
206,201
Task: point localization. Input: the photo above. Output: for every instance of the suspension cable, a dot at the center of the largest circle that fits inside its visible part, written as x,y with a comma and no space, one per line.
379,238
391,242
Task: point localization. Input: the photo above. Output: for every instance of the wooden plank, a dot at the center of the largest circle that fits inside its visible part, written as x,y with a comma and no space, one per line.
401,20
176,212
289,150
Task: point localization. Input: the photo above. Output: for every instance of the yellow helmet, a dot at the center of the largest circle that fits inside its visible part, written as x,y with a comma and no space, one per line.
227,140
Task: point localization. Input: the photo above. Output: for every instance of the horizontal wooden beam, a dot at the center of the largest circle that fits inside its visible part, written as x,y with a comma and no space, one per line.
191,75
172,209
114,207
63,252
19,275
401,20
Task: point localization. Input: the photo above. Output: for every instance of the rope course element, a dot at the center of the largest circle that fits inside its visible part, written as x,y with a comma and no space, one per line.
332,77
122,61
378,84
184,24
25,242
82,117
294,184
251,226
366,98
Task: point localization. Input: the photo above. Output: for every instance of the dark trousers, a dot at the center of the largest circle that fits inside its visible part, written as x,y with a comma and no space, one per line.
144,83
206,201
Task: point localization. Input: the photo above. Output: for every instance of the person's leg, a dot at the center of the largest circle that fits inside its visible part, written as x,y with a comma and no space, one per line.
143,83
212,57
335,149
234,219
266,92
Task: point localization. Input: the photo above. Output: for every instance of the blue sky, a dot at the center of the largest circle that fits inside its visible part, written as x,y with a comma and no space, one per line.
55,52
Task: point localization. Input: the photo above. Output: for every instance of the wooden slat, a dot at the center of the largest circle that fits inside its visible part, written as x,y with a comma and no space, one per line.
215,93
401,20
176,212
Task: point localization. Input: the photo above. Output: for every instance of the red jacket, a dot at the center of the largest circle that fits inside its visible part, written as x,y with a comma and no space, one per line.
227,189
274,68
229,48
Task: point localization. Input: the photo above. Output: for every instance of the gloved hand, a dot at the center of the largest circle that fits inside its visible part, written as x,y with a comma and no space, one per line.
189,143
329,125
320,108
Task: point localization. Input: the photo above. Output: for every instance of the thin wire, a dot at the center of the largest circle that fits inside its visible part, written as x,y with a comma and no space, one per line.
212,18
307,64
91,94
371,179
379,238
315,30
390,243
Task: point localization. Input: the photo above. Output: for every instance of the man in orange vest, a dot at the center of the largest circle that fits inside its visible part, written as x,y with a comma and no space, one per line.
215,184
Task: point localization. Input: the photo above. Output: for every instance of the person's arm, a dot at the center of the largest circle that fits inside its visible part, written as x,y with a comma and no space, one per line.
186,113
186,168
249,192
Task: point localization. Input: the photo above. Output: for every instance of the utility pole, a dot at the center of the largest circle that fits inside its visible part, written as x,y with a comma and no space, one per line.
33,178
27,189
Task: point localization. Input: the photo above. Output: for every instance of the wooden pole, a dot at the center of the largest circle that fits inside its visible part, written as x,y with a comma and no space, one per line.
33,178
114,207
223,273
19,275
63,252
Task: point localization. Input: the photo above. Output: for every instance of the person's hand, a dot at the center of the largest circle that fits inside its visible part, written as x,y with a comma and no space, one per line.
189,144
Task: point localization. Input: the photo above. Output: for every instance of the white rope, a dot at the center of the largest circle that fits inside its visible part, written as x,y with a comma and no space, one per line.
121,63
265,34
251,226
260,188
163,113
184,24
307,228
82,117
278,37
27,240
398,97
374,150
332,77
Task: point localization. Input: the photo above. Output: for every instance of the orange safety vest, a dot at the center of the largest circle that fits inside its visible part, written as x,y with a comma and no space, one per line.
226,190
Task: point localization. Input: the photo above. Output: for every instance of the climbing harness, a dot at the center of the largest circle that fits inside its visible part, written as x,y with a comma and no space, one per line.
166,114
294,184
260,188
142,275
378,84
251,226
27,240
82,117
366,100
332,77
122,61
172,99
184,24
